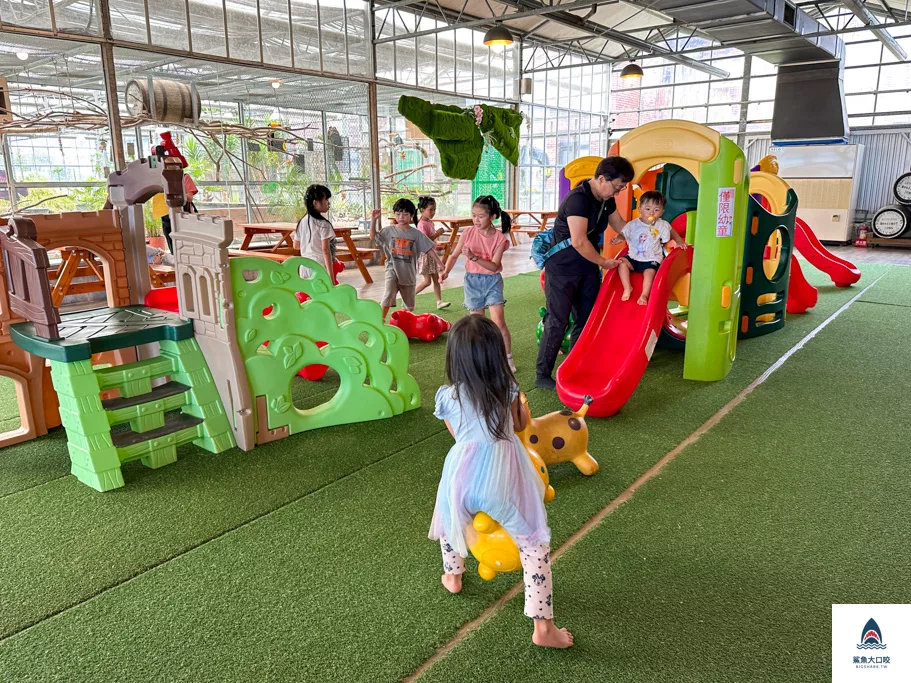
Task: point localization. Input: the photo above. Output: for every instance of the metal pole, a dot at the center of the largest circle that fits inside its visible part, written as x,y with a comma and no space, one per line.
326,146
8,163
744,97
246,169
374,123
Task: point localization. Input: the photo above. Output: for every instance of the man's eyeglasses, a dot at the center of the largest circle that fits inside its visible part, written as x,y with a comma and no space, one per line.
618,188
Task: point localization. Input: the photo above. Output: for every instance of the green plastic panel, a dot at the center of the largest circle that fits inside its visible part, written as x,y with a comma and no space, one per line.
102,329
680,189
370,357
761,224
711,337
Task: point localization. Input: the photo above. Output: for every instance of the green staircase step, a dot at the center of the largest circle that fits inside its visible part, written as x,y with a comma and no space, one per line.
114,376
146,410
158,393
173,423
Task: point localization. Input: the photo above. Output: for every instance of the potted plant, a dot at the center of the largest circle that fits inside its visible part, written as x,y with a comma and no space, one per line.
154,237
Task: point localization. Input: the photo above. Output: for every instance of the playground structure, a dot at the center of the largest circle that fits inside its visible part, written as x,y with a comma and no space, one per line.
135,382
738,280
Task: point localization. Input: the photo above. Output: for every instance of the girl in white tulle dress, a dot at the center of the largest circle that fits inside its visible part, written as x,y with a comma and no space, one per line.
488,469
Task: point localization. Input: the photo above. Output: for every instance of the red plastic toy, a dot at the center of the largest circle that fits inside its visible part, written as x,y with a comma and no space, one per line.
337,267
426,327
167,141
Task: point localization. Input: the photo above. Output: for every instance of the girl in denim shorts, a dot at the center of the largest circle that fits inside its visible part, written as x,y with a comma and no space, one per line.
483,245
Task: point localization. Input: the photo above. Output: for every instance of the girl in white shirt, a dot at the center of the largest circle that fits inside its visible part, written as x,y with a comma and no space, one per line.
314,235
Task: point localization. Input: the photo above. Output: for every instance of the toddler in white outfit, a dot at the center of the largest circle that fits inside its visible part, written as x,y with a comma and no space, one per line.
646,237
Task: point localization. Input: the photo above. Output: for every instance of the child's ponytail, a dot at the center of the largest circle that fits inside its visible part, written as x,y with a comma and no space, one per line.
490,203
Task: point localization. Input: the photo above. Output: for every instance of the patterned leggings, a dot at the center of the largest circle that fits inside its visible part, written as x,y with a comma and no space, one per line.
535,569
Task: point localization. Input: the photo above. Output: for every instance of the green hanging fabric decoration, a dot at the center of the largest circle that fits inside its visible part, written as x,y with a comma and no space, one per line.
501,128
454,132
457,133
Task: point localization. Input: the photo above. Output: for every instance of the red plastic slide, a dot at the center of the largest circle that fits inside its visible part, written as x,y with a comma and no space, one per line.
843,273
617,343
164,298
801,294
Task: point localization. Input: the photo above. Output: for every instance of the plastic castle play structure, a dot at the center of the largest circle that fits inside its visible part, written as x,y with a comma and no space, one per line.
737,282
130,382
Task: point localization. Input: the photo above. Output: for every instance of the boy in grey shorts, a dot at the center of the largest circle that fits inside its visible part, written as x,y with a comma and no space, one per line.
402,244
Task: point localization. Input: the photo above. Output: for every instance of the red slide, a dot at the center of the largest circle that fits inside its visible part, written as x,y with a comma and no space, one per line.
801,294
617,343
843,273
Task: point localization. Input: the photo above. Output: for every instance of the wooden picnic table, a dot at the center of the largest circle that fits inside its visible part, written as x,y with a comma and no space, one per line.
451,223
286,241
161,275
540,219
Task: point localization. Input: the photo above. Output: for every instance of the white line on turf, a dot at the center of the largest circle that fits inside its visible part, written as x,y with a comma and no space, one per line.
628,493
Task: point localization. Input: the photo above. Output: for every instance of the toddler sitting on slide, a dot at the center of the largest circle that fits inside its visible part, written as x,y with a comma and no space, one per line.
646,237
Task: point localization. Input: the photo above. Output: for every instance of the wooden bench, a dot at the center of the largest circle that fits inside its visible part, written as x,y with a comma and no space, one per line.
531,231
271,255
345,255
161,275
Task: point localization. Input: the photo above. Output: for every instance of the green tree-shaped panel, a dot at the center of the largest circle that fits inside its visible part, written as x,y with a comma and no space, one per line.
371,358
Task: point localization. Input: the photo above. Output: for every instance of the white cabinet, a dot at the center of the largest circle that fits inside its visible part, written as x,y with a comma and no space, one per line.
826,179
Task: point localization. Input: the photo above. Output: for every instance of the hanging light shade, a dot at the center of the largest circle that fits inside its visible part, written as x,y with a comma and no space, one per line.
498,35
631,71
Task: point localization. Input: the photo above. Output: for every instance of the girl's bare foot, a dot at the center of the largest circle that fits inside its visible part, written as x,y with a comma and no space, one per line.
642,300
626,294
453,582
548,635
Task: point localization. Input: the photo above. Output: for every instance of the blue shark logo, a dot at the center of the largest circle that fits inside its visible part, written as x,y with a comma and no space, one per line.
872,637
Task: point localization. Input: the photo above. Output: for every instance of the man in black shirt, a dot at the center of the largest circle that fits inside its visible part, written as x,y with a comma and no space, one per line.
573,274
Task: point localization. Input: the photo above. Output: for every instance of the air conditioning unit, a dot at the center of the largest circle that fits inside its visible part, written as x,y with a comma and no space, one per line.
826,179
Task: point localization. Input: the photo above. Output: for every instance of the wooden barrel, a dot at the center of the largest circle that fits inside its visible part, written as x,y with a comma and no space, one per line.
892,221
902,189
173,99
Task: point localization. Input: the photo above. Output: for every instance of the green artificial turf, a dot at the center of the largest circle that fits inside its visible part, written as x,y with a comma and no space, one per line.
305,559
892,289
725,567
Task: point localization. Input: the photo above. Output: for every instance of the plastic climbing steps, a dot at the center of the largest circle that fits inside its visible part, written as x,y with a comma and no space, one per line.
144,422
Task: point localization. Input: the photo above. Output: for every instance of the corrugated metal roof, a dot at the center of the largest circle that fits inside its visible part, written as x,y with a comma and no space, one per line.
617,15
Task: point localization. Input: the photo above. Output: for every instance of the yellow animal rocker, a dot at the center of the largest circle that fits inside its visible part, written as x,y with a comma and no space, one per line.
557,437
